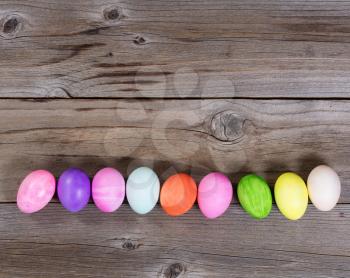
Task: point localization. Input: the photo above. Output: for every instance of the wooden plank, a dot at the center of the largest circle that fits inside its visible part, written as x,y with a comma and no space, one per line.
196,136
55,243
158,48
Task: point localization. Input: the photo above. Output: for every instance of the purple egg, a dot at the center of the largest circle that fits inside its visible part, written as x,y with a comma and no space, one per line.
73,189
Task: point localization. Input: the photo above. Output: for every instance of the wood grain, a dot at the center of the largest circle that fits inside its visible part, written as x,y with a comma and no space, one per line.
167,49
195,136
56,243
186,85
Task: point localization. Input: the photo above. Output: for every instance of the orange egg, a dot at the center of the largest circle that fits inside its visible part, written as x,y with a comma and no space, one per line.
178,194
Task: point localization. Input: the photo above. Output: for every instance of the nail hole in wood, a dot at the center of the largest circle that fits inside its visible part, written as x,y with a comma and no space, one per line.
11,25
130,245
139,40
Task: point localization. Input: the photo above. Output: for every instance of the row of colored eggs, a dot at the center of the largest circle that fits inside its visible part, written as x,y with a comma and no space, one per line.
179,192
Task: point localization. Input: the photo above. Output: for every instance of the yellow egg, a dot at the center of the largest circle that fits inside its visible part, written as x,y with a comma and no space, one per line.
291,195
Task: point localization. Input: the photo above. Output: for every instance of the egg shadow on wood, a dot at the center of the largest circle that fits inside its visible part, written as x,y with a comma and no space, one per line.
272,172
309,162
235,177
18,173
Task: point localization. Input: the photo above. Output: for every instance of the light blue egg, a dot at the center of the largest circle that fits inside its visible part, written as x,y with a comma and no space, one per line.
142,190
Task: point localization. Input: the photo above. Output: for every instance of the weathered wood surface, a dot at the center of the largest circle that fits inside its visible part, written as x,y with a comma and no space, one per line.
196,136
55,243
169,73
175,48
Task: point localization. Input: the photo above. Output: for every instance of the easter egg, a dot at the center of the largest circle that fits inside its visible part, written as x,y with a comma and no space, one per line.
73,189
142,190
324,187
254,195
214,195
178,194
36,191
108,189
291,195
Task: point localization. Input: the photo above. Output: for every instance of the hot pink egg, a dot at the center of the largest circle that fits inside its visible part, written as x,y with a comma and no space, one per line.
214,194
108,189
36,191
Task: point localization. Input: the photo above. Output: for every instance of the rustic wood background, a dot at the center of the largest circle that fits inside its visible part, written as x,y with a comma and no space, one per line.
180,85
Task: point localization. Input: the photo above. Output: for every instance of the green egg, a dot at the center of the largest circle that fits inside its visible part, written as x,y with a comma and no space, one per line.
255,197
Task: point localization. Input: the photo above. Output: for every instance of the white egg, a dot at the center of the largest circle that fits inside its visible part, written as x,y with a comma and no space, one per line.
324,187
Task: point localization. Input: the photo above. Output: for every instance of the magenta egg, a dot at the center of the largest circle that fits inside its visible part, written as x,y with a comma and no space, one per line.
36,191
214,194
108,189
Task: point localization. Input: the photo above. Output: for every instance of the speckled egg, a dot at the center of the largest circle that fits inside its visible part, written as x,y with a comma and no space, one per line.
36,191
291,195
108,189
142,190
214,194
324,187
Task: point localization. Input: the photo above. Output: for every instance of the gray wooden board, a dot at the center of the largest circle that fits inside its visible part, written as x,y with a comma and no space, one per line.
174,48
188,85
196,136
55,243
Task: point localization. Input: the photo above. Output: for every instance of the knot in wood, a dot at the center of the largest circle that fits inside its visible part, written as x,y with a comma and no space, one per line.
227,126
11,25
174,270
112,13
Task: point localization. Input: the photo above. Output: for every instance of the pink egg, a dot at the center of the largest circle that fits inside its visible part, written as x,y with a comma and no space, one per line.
36,191
214,194
108,189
